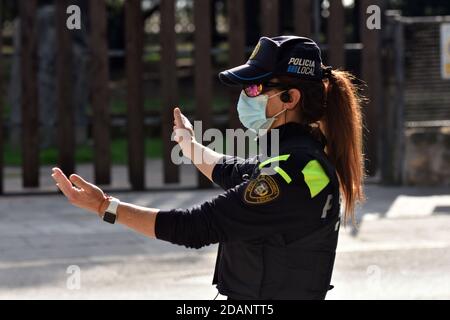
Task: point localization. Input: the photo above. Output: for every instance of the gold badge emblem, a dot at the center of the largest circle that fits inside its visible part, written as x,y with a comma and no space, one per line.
255,52
262,190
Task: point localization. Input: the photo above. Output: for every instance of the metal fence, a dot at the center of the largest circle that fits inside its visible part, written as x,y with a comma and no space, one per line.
304,13
414,92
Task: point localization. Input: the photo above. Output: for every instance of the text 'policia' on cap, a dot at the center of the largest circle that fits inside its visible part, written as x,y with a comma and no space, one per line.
280,56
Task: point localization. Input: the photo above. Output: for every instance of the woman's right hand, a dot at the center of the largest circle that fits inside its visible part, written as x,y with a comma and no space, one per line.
184,131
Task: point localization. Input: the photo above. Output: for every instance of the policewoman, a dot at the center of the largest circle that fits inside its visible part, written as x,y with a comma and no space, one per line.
277,221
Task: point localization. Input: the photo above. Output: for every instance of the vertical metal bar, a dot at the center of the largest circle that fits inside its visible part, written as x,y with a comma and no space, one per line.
135,111
392,127
270,18
169,82
65,109
236,42
302,17
1,100
29,94
203,81
336,34
316,6
100,92
371,74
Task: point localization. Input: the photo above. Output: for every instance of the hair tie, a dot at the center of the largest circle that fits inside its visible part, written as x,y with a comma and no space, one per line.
326,72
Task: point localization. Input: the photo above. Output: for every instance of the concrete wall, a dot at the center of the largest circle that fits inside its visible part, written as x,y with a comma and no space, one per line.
427,156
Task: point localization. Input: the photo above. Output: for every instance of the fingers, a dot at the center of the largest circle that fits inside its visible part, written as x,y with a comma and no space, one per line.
177,116
62,182
179,124
79,182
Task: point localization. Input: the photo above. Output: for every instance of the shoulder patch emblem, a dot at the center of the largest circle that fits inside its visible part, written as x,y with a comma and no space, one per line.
261,190
315,177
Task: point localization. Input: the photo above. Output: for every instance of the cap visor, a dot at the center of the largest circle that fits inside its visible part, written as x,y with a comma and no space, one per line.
245,74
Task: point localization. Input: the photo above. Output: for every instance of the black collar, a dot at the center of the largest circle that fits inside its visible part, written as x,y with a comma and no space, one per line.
293,132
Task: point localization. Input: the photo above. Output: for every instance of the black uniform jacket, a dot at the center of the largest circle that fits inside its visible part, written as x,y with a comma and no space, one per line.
277,222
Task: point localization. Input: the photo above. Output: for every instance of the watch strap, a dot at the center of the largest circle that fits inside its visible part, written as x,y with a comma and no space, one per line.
110,214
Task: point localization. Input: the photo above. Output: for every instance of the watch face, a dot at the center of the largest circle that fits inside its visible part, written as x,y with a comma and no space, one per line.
109,217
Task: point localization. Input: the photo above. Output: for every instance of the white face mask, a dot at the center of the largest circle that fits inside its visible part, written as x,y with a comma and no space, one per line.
252,112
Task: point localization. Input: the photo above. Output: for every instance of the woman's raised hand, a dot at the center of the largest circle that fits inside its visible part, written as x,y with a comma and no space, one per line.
184,132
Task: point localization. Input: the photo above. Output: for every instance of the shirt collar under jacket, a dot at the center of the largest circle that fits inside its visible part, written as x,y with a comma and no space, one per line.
289,134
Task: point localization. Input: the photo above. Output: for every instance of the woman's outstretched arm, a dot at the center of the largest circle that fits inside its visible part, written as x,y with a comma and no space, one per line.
87,196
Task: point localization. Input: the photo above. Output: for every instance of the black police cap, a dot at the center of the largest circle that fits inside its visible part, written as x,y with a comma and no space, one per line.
292,56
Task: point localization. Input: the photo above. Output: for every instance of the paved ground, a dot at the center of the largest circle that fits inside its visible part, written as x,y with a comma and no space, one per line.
401,250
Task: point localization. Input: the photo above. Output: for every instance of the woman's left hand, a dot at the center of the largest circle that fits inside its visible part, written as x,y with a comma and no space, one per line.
84,195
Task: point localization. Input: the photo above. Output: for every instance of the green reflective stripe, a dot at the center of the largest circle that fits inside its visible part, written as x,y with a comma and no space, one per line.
315,177
276,159
283,174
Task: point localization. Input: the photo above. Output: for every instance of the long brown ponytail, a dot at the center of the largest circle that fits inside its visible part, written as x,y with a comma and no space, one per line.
344,133
335,105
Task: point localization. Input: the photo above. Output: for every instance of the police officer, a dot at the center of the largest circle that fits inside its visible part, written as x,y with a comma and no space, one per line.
277,221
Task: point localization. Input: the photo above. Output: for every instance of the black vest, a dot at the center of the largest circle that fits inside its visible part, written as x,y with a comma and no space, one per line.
284,266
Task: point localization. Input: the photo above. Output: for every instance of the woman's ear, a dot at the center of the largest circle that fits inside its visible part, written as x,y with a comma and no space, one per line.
295,96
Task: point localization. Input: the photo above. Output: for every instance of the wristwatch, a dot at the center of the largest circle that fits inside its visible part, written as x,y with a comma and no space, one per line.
110,215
